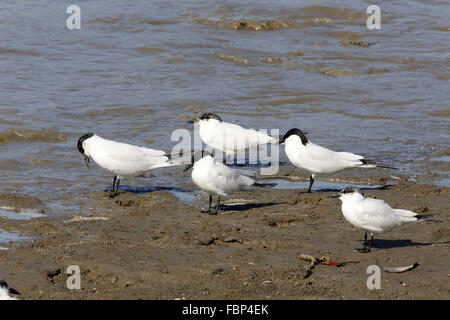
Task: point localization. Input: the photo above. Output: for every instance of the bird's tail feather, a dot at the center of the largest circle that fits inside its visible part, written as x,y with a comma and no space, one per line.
366,163
386,167
246,173
426,217
405,213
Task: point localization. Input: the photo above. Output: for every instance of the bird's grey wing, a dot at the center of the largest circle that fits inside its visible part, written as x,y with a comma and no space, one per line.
232,136
377,214
318,152
129,158
406,215
246,173
349,156
225,178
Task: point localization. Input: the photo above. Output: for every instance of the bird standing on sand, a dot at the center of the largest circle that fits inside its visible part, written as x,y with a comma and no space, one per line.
316,159
5,291
216,178
373,215
228,137
120,158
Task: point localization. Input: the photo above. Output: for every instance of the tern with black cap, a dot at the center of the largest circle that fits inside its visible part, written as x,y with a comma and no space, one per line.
316,159
373,215
229,138
216,178
122,159
6,291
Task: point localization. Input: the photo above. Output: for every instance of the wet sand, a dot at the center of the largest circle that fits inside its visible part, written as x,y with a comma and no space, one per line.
154,246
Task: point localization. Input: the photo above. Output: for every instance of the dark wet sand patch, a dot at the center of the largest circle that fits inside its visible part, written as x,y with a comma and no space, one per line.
246,25
229,57
440,113
45,135
18,52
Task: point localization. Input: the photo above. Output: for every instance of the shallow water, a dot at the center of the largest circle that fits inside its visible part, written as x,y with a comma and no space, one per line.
26,214
6,237
137,70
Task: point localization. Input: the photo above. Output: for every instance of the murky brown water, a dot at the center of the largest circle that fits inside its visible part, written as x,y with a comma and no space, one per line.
137,69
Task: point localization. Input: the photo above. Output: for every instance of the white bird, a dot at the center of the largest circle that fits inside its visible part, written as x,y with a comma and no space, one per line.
216,178
316,159
121,159
228,137
373,215
5,291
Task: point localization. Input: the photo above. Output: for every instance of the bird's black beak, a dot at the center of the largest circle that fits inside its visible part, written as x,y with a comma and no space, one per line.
192,120
13,291
335,195
281,141
189,166
86,160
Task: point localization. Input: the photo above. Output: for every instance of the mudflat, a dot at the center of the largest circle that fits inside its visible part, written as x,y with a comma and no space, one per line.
154,246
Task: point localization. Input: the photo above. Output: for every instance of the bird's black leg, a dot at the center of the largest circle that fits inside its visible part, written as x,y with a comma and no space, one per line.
209,206
371,241
217,206
365,249
311,181
117,188
114,187
210,201
365,240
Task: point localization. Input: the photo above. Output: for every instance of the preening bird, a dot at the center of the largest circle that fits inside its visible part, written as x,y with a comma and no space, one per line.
122,159
216,178
228,137
5,291
316,159
373,215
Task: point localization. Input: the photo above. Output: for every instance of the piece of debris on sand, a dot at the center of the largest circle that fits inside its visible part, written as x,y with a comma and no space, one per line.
323,260
401,269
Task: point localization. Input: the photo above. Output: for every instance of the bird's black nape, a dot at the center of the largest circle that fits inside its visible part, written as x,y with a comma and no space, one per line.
81,140
3,284
350,190
209,115
296,132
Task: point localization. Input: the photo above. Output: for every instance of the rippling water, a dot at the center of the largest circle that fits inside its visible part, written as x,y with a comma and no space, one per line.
138,69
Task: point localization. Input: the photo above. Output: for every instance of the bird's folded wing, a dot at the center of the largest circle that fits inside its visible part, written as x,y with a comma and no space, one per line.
232,136
349,156
225,178
128,156
405,213
377,215
152,152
